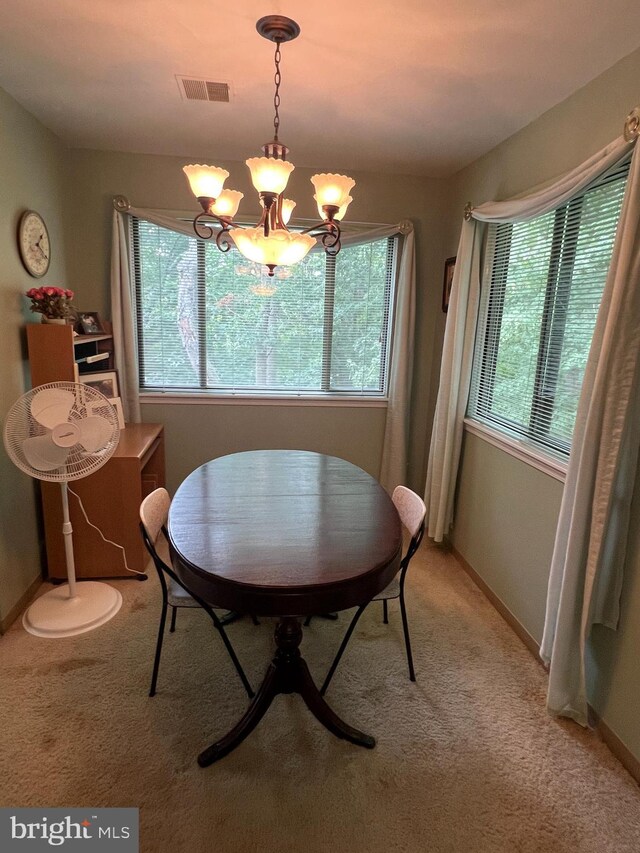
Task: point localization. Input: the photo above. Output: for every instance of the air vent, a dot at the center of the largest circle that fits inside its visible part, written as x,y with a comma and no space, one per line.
195,89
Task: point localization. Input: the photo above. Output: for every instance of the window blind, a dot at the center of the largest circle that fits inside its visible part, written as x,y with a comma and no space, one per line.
541,291
214,321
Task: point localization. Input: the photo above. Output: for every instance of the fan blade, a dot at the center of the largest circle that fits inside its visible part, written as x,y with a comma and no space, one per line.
52,406
95,433
42,454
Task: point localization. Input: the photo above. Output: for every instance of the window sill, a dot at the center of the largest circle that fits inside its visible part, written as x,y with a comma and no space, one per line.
521,450
191,398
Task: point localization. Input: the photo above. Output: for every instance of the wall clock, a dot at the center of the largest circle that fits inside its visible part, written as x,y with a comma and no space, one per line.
33,242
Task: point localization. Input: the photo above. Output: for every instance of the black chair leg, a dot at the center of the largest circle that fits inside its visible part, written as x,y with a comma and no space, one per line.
233,656
385,611
407,640
174,613
307,621
156,660
254,620
343,646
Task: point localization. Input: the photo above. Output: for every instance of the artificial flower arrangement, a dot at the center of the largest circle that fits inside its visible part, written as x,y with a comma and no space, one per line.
53,302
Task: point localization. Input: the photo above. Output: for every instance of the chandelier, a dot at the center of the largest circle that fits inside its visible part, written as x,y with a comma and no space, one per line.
270,242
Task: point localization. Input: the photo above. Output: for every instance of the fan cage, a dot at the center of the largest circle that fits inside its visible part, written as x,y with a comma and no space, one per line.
21,424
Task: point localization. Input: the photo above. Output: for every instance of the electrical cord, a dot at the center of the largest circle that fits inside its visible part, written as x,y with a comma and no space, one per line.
104,538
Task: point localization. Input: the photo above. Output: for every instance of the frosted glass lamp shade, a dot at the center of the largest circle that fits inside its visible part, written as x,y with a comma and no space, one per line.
279,248
227,203
342,212
205,181
287,209
332,189
269,175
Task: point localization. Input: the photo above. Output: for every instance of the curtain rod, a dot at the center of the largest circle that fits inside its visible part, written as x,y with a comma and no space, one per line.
122,204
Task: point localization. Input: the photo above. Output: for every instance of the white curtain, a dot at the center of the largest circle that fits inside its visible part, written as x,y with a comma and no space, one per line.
393,468
590,547
123,319
453,391
396,436
581,589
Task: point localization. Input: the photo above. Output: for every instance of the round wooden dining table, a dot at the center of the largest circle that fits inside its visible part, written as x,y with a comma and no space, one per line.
284,533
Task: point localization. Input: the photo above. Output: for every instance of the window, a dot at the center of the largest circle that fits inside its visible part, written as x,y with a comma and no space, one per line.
212,321
542,286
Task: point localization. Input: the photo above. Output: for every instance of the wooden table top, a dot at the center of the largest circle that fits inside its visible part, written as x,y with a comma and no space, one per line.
284,532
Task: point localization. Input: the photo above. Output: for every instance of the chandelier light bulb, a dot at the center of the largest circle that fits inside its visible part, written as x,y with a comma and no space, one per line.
227,203
279,248
205,181
287,209
342,211
269,175
332,189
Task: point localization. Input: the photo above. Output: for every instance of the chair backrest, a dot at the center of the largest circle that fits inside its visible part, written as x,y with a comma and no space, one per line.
411,509
154,511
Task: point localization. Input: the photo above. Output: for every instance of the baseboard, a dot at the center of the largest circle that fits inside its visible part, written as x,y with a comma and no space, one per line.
17,608
502,609
617,747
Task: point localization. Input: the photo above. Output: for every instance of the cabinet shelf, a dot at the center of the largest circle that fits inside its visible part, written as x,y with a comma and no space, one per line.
86,339
54,353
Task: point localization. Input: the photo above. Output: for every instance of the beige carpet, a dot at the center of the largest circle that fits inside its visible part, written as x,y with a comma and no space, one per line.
466,760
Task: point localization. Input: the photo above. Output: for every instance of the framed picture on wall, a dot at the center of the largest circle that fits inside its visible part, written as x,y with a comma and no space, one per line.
449,267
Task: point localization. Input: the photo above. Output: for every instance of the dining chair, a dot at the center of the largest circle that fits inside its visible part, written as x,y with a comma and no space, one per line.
154,511
412,511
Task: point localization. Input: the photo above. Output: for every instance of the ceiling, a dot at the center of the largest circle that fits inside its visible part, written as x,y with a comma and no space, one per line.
414,87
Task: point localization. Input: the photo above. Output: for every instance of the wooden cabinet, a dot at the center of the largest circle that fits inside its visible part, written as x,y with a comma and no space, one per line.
53,352
112,495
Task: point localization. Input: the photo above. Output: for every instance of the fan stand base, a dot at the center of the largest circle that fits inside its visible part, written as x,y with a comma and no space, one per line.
55,614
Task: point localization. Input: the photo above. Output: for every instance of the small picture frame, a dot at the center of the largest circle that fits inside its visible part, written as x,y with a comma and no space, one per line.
449,267
89,323
104,381
116,402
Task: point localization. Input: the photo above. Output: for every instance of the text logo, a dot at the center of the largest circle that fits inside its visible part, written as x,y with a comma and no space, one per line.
36,830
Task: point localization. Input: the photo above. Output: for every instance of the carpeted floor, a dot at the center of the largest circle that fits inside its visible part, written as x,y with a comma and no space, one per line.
466,759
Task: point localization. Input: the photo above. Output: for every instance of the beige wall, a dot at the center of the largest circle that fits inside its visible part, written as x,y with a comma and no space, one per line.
31,176
507,511
197,433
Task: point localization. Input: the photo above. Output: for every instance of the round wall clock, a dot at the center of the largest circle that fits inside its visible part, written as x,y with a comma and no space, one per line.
33,242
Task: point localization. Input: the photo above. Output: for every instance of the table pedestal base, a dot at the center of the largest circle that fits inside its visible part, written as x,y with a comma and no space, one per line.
287,673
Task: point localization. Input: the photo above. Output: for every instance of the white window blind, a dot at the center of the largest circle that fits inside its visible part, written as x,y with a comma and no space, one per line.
541,291
213,321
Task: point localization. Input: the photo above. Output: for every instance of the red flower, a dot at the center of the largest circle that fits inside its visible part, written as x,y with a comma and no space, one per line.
51,301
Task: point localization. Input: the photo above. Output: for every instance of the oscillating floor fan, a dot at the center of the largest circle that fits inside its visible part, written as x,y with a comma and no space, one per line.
62,432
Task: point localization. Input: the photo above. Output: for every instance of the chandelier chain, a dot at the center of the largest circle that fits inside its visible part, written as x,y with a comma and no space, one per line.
276,98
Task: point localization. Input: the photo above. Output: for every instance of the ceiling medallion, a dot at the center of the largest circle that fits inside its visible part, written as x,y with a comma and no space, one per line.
270,242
